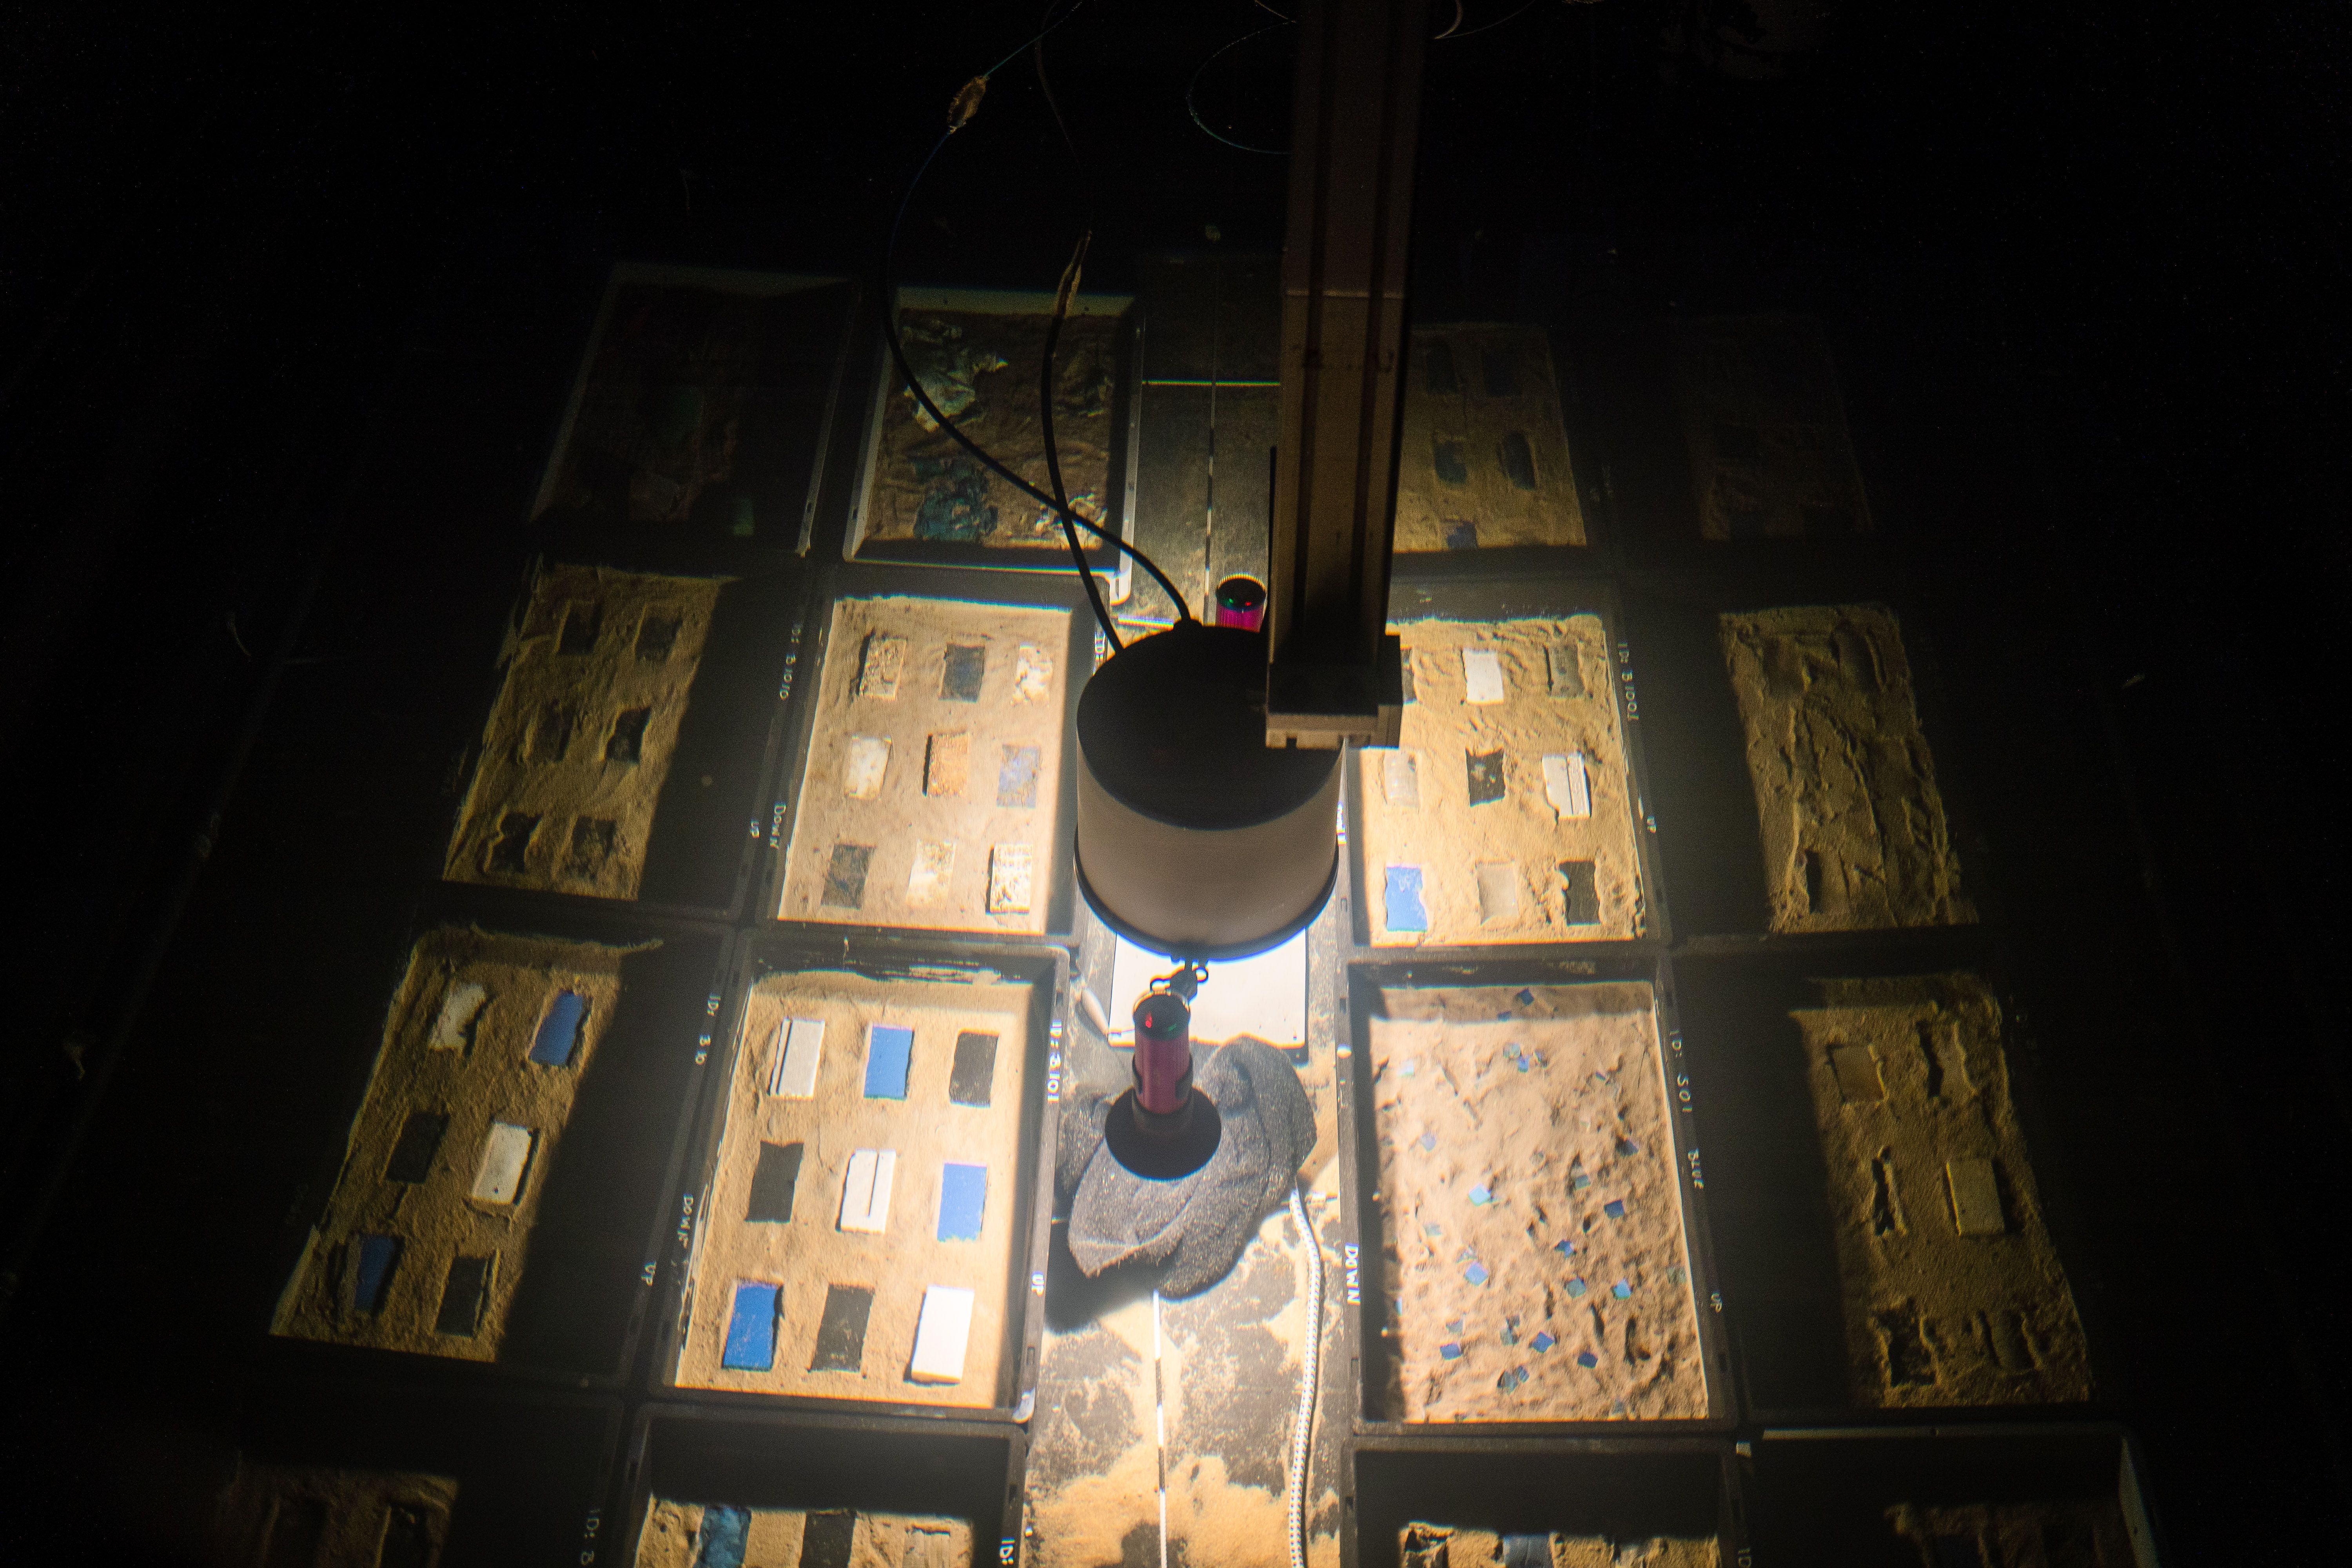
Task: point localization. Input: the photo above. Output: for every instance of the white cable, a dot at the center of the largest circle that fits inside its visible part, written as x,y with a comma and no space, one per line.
1302,1430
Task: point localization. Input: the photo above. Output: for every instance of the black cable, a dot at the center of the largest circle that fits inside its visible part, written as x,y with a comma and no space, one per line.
1062,293
1192,110
1453,36
1053,459
966,103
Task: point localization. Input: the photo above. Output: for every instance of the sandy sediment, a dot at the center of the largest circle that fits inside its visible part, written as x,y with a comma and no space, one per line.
2084,1534
1769,452
576,749
1533,1255
981,368
1449,1546
1468,809
1485,458
414,1179
808,1254
1852,824
661,413
1954,1294
932,789
783,1538
327,1518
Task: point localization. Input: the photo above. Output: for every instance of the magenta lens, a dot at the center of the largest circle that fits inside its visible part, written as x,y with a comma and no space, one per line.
1163,1054
1241,602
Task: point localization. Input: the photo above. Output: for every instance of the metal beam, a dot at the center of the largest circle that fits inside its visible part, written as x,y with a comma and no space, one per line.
1355,120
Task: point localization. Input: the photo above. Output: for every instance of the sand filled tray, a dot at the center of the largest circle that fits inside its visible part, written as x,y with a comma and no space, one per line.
2057,1497
870,1205
1665,1505
427,1235
933,793
1953,1292
718,1491
1485,458
699,406
1770,456
347,1475
1852,824
497,1195
1506,813
978,355
600,665
1529,1216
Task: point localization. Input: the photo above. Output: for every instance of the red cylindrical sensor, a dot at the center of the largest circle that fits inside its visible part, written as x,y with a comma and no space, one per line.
1241,602
1163,1054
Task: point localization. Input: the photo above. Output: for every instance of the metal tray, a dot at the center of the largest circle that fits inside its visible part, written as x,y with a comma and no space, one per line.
757,956
784,396
1520,596
602,1221
533,1472
713,810
960,1469
1625,1488
1360,1158
1704,802
804,669
1824,1494
1124,414
1776,1257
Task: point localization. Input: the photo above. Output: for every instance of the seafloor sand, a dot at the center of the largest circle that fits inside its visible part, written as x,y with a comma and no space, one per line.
810,1252
483,1076
576,749
1532,1239
933,784
1953,1292
780,1538
1769,453
1853,825
1447,1546
982,370
1485,456
1464,802
325,1517
2018,1534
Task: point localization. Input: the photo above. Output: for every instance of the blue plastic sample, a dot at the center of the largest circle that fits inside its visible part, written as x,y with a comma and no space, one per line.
1526,998
964,1197
1400,899
726,1535
1542,1342
1622,1291
1475,1274
1564,1246
559,1031
1450,1351
378,1254
889,1049
1480,1197
1429,1139
752,1330
1576,1287
1627,1146
1614,1209
1586,1358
